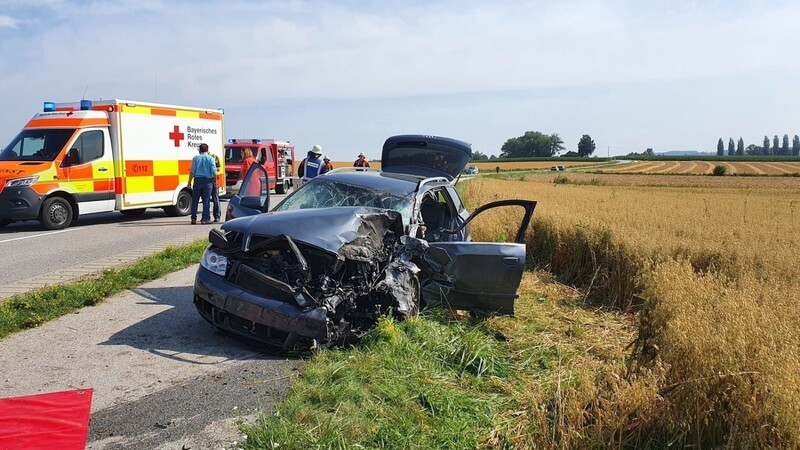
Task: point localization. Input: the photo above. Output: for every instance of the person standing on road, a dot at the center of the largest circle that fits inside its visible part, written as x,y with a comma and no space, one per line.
247,161
361,161
202,172
312,165
327,163
215,189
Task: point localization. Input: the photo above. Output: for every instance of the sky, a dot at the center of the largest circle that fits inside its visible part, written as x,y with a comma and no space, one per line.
667,75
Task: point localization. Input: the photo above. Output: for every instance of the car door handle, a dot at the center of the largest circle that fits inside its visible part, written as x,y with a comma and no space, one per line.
510,260
102,169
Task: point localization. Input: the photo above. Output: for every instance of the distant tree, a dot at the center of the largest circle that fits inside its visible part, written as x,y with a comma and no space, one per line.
740,147
648,152
731,147
720,147
492,158
571,154
556,143
479,156
796,146
785,147
776,146
753,150
586,145
532,144
765,150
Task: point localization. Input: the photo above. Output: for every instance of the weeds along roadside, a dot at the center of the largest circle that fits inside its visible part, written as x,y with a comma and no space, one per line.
711,275
36,307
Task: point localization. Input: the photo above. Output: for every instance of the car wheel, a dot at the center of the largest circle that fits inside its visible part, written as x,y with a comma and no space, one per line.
282,188
182,207
56,213
133,212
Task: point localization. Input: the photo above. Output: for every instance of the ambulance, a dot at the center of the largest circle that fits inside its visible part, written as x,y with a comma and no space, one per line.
90,157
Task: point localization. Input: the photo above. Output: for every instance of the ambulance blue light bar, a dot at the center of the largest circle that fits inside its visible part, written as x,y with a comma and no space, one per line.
49,106
86,105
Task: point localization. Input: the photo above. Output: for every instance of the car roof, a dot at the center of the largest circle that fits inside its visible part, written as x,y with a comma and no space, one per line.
395,183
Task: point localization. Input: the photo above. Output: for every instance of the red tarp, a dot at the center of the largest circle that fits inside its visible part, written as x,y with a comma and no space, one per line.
46,421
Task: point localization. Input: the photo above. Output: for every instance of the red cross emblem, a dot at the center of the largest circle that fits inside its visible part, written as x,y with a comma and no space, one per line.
176,136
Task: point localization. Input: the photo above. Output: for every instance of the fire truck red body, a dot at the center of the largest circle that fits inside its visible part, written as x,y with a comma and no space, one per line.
276,157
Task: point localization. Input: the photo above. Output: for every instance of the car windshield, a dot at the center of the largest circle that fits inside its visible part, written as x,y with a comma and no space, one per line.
36,145
322,193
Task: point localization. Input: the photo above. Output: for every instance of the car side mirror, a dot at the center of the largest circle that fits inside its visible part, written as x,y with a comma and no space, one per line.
251,202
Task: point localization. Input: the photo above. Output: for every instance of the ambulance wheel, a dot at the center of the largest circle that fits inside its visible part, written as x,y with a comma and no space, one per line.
282,188
56,213
183,206
133,212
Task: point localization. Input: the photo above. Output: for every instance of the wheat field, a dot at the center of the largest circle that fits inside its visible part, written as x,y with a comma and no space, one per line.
709,272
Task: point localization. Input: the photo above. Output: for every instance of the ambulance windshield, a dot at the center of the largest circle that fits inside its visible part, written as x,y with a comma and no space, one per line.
36,145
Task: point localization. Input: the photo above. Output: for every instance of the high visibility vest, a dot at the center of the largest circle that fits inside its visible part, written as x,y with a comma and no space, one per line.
312,167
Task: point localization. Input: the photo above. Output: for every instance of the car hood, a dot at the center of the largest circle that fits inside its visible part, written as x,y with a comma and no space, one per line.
325,228
428,156
19,169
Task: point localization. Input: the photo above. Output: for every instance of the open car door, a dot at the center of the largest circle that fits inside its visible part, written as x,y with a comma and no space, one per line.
478,275
253,196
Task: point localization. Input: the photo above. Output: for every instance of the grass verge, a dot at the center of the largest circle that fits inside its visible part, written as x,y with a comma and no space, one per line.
34,308
445,381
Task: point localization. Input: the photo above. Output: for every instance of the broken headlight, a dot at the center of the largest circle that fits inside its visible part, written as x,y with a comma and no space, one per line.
214,262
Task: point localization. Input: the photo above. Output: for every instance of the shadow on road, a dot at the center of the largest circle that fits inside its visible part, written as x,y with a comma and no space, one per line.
180,333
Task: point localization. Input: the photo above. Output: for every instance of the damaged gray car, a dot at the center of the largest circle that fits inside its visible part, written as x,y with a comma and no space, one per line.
352,245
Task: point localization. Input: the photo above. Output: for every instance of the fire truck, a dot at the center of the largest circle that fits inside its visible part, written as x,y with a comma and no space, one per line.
277,158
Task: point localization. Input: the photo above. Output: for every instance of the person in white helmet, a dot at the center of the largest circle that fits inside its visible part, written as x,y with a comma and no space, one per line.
361,161
312,165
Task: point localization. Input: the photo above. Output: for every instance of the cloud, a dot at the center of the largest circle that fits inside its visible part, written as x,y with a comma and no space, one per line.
8,21
520,55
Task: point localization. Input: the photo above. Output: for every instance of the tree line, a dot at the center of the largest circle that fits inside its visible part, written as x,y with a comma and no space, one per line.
777,148
535,144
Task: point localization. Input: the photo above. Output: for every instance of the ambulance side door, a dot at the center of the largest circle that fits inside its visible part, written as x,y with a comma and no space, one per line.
89,167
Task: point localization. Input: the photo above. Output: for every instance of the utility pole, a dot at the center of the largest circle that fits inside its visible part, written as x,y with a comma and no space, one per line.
609,151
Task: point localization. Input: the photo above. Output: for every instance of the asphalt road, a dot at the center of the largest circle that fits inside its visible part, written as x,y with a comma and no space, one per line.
33,251
163,377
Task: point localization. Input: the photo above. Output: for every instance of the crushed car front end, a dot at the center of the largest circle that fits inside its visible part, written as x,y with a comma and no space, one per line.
308,276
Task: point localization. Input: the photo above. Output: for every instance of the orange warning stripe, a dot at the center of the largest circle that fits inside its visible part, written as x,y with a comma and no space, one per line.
68,122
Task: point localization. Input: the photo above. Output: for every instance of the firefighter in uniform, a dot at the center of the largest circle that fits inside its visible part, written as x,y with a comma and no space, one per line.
312,165
361,161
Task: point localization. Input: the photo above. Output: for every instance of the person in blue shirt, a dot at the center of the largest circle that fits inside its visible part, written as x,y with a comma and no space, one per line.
203,173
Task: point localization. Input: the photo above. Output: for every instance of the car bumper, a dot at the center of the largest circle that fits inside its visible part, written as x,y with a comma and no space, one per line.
254,316
20,203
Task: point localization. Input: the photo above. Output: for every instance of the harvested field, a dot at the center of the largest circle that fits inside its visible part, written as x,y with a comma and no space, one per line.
489,166
705,167
677,181
338,164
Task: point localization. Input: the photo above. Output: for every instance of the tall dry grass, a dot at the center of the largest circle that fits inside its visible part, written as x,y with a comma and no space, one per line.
712,275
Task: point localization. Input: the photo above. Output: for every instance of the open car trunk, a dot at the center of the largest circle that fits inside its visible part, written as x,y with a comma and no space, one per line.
427,156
